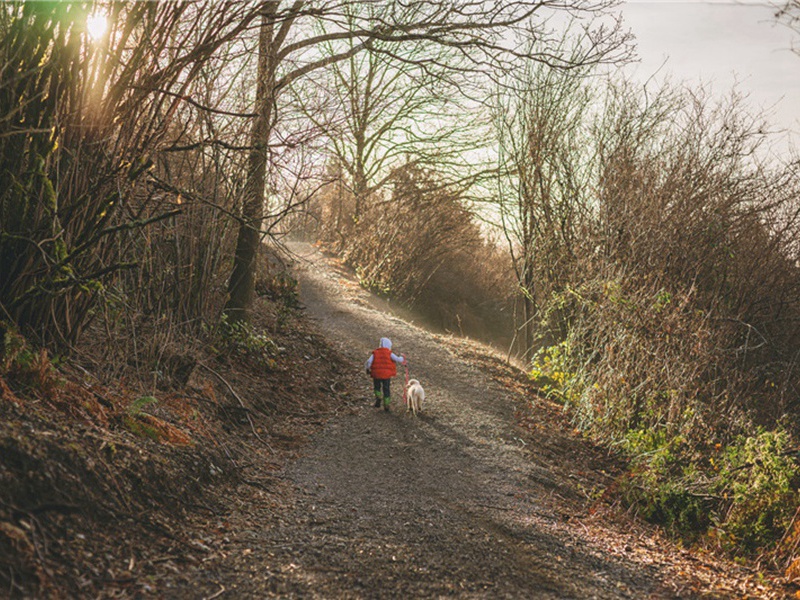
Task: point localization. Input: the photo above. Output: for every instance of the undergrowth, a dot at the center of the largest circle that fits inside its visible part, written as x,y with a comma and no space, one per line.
641,371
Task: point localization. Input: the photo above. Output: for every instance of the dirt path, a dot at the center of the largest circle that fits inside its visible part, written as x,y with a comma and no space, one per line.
461,502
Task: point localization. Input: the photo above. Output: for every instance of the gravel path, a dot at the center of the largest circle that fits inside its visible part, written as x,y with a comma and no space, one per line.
454,503
482,496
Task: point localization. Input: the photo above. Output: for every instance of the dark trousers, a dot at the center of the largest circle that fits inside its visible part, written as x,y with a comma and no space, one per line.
382,385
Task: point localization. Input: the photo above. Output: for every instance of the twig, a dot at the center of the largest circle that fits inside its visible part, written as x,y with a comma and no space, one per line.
161,559
241,403
218,594
494,506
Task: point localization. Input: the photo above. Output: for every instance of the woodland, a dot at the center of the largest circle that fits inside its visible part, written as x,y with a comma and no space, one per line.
635,249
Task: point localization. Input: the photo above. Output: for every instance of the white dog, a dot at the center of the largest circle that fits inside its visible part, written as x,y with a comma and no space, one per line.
415,396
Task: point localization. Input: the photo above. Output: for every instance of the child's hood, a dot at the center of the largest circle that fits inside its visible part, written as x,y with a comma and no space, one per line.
386,343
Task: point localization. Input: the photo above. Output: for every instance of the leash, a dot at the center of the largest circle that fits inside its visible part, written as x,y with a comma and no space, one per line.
405,388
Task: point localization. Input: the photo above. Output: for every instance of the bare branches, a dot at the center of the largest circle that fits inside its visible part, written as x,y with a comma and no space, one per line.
80,121
301,39
789,15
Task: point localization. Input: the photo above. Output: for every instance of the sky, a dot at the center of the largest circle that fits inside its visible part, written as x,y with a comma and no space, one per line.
722,43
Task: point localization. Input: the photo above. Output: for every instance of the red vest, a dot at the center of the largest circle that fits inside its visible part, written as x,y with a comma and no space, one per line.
383,366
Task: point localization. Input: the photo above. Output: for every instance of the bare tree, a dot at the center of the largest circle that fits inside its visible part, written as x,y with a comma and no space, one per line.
80,123
789,12
545,170
293,35
386,109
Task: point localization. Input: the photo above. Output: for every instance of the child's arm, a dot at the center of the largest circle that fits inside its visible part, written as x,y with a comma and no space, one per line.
398,359
368,364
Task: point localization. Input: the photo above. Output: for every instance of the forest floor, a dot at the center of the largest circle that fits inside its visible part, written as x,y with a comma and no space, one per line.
300,488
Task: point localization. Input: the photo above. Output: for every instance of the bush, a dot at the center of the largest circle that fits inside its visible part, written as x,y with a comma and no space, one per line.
241,339
672,335
758,482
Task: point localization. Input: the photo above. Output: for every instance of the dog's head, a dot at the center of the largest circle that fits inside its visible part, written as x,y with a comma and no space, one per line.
412,382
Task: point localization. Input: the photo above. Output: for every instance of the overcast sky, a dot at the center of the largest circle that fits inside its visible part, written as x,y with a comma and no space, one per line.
721,43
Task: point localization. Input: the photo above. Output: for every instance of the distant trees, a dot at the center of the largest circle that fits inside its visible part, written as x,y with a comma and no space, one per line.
303,38
389,105
417,243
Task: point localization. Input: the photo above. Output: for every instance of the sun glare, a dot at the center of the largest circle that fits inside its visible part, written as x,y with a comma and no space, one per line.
96,26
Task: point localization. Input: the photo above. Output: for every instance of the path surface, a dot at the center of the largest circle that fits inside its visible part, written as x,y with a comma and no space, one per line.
461,502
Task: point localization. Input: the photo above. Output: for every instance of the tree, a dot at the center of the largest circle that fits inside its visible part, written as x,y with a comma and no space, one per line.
386,109
81,121
242,281
789,13
293,35
544,176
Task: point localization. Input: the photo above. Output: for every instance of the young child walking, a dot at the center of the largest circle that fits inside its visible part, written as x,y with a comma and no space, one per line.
382,366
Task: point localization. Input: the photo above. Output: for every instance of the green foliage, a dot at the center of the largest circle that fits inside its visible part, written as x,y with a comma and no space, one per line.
16,354
137,426
758,481
663,483
140,403
643,368
141,428
550,371
25,366
743,495
240,338
671,504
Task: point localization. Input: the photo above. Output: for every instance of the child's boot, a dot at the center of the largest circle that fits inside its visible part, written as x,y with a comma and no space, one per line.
378,399
386,402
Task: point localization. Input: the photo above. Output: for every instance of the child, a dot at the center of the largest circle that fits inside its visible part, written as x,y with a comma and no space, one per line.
381,366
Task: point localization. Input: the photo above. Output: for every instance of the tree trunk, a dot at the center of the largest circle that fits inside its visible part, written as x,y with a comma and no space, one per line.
529,308
242,282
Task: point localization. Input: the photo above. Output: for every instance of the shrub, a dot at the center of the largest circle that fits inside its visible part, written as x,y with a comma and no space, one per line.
550,371
420,245
240,338
758,481
664,482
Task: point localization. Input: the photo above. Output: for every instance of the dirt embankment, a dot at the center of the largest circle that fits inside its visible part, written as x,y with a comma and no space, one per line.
483,496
